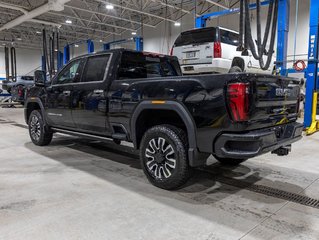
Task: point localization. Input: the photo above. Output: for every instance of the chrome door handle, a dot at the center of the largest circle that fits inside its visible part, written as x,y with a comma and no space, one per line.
98,91
67,93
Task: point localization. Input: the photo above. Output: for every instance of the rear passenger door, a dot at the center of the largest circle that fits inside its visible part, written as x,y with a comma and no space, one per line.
89,102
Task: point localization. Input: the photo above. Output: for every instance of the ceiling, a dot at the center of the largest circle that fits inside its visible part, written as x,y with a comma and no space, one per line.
92,20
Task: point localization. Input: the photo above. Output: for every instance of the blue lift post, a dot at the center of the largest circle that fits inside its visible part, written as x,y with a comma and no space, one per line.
138,43
312,84
282,36
200,21
66,54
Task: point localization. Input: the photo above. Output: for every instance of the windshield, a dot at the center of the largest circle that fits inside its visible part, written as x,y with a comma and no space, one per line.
147,65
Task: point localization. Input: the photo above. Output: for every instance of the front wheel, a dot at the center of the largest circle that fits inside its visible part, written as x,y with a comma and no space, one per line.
163,155
39,134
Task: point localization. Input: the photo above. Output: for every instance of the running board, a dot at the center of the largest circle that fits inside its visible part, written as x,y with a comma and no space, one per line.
87,135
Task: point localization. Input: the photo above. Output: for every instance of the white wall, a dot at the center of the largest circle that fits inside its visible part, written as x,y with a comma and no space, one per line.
27,61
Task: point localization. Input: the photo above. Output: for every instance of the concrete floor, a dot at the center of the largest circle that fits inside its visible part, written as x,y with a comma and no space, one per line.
81,189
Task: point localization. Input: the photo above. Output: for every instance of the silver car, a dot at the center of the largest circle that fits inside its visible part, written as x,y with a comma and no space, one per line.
22,81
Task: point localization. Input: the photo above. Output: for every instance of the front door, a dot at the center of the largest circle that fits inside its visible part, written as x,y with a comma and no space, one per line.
60,94
89,105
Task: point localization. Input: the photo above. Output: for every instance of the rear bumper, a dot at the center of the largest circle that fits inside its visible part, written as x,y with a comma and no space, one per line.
219,65
254,143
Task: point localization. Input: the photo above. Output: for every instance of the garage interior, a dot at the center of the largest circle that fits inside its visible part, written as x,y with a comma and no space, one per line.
83,188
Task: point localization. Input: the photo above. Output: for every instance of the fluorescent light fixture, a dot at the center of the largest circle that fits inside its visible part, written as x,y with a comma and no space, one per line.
109,7
19,39
75,45
68,21
101,40
55,50
133,33
177,24
38,32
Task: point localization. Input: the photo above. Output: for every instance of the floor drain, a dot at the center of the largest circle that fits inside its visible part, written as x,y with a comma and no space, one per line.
272,192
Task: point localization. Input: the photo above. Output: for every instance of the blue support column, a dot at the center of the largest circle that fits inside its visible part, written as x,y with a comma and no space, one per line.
106,46
282,36
200,22
44,65
139,43
90,46
312,69
60,60
66,54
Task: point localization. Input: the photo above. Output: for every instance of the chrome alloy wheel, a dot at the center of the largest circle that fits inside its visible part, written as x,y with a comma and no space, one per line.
160,158
35,128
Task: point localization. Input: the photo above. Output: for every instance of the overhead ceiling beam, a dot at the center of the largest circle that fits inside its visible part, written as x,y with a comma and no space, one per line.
108,15
88,28
45,22
217,4
171,6
56,5
138,11
13,7
90,21
25,13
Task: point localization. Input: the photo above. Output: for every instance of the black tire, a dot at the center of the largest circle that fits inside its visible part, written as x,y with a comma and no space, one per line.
117,141
169,168
39,134
230,161
235,69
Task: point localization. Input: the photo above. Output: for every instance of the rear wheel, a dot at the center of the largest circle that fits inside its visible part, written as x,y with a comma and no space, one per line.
235,69
39,134
230,161
163,155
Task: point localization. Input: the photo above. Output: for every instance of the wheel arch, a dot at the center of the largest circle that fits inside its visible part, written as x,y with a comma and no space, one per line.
185,116
239,62
33,104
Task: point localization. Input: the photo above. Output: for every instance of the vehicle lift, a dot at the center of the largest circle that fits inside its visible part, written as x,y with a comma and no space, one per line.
106,46
311,124
137,40
6,98
66,54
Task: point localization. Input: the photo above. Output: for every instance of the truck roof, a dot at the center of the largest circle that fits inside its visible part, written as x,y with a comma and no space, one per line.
121,50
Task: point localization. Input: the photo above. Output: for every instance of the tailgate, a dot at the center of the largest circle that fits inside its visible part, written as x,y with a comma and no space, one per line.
275,99
195,54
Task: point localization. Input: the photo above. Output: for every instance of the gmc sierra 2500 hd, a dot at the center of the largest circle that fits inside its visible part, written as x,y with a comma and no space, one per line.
175,121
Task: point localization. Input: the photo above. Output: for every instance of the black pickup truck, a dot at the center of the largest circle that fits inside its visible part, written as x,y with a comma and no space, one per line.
175,121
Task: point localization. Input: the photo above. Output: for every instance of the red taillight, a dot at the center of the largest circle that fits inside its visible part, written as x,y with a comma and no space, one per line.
171,52
20,92
217,50
238,95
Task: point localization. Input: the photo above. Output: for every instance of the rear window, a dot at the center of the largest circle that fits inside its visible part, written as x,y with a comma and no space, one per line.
140,65
205,35
27,78
196,36
229,37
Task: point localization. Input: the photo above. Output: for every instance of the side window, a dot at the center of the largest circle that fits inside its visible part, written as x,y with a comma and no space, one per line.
72,73
95,68
229,37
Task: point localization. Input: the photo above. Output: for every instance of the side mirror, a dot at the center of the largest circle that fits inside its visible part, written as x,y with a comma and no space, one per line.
39,78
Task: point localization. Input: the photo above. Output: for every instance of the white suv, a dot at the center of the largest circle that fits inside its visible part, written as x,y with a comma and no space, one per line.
213,50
